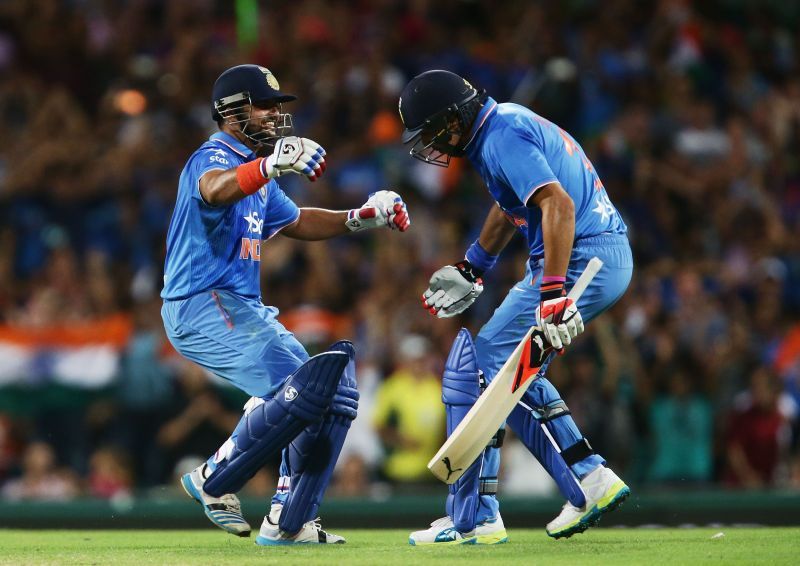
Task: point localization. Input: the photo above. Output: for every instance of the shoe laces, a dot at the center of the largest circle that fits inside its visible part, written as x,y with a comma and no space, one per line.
231,502
315,524
441,522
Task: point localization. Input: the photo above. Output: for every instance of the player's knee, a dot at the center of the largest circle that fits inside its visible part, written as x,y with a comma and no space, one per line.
460,380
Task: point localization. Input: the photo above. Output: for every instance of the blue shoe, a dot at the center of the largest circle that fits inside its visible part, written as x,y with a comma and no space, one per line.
225,512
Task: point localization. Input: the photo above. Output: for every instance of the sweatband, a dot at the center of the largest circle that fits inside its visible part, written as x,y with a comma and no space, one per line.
553,290
250,176
480,258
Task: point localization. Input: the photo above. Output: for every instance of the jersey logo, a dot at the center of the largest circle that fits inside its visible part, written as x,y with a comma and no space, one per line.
251,249
517,221
604,207
254,223
220,157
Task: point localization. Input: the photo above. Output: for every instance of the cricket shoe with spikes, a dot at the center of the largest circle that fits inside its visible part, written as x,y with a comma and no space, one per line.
604,492
311,532
443,532
225,512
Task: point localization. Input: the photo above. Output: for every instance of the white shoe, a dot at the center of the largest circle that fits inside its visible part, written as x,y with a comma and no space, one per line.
604,492
271,534
442,531
225,512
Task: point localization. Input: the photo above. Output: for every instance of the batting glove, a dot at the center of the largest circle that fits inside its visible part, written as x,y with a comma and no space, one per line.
452,289
558,317
382,209
295,155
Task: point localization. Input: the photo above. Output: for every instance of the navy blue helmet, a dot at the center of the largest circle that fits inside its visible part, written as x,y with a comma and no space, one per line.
237,89
434,106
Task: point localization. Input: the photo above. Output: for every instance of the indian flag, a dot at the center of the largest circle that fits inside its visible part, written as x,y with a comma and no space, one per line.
83,354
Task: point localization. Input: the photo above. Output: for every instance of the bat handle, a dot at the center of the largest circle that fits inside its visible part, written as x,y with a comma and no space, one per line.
586,277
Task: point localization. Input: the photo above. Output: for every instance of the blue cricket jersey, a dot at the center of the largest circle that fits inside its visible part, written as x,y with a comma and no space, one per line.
219,247
517,152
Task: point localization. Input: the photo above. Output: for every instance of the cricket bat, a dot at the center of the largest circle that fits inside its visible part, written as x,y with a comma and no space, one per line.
494,405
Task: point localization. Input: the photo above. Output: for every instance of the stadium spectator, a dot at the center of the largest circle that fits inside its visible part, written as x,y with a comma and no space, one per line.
408,412
42,478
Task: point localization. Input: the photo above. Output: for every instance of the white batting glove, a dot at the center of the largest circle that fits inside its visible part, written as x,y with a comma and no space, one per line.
295,155
560,321
382,209
452,289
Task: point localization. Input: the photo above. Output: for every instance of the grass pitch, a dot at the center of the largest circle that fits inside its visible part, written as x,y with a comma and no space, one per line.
598,546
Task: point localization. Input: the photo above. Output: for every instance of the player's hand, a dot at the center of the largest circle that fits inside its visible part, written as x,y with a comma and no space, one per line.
560,321
382,209
295,155
452,290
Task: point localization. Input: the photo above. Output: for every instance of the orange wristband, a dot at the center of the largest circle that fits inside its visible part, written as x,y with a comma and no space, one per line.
250,176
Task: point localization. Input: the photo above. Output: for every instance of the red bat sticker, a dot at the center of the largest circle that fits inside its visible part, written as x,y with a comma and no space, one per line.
525,368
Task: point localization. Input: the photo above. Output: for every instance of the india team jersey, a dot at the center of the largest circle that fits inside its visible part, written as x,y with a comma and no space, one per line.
219,247
517,152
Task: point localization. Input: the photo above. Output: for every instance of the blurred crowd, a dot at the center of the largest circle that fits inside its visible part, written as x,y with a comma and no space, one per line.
689,110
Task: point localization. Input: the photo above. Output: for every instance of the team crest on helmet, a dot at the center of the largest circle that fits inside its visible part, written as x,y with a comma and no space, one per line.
271,80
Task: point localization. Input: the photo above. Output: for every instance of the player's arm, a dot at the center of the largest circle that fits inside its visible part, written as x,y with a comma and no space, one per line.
558,227
382,209
557,315
496,231
317,224
291,155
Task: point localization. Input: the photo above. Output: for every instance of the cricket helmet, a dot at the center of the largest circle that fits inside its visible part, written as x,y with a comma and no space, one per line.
237,89
433,106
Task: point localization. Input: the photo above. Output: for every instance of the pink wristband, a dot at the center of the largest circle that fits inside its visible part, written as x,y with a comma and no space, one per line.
553,279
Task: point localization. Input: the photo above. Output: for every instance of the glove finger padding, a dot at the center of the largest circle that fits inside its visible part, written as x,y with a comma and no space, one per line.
552,336
563,333
398,218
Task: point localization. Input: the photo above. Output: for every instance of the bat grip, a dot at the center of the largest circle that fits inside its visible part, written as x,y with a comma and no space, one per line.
586,277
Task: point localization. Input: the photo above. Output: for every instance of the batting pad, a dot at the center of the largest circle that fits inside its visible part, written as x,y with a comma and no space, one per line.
460,389
312,455
304,398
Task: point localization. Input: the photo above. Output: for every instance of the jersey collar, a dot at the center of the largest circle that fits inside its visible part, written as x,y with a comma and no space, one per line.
488,109
233,144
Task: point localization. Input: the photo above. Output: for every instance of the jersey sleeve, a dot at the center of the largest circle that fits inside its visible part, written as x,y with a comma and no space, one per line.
521,165
281,211
203,161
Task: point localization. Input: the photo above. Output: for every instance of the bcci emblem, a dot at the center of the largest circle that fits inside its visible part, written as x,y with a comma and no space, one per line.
271,80
290,394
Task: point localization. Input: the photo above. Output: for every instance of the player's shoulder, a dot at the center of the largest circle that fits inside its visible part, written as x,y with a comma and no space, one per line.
215,152
512,123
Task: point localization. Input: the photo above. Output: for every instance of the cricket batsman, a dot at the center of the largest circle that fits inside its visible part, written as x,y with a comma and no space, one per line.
228,204
545,187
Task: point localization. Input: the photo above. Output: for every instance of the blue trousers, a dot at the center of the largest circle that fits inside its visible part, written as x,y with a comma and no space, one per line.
512,319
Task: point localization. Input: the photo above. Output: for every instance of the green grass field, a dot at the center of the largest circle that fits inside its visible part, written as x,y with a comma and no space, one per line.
605,546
